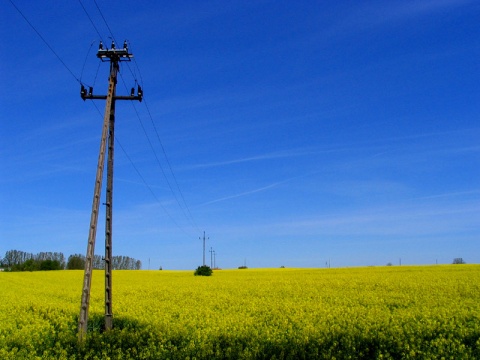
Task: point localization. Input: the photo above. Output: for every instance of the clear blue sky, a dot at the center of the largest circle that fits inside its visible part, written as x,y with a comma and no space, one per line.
298,132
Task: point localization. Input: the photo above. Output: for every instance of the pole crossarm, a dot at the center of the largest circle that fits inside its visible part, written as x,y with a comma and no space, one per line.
89,95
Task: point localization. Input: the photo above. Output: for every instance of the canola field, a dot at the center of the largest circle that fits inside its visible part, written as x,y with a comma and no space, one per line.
429,312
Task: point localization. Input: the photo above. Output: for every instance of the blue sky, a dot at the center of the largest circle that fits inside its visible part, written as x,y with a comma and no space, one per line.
298,132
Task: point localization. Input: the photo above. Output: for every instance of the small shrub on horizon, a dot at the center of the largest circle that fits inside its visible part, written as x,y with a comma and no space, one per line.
203,270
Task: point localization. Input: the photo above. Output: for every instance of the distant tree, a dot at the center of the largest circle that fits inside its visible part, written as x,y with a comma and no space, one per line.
389,264
76,262
49,264
98,262
57,257
203,270
458,261
14,259
121,262
29,265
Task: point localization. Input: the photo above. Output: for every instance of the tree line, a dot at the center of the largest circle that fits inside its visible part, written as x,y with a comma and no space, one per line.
16,260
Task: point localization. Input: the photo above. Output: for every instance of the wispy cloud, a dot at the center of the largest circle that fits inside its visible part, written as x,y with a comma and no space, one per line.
260,189
268,156
415,218
245,193
409,9
390,12
375,15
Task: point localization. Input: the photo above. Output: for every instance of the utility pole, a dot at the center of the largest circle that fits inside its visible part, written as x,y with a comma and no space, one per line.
204,247
211,257
214,259
114,56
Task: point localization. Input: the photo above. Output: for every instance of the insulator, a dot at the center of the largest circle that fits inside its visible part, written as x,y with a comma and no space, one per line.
100,47
125,46
139,91
113,44
90,90
132,92
83,91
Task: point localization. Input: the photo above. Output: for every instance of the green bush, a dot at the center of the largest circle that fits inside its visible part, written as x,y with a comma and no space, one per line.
203,271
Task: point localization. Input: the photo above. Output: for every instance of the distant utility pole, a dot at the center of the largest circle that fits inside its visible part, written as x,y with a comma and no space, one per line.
114,56
204,247
211,257
214,259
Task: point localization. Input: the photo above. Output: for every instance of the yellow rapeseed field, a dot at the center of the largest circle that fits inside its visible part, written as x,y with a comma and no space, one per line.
404,312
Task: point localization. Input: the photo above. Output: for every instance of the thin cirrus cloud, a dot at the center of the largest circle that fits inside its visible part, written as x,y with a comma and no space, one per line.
387,13
428,219
250,192
268,156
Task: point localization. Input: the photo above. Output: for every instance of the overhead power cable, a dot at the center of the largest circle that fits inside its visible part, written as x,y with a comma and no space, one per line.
136,66
45,42
169,165
149,188
105,20
91,21
80,82
188,216
143,180
86,58
160,165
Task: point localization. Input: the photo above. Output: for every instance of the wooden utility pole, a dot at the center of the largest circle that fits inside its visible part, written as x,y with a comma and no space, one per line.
114,56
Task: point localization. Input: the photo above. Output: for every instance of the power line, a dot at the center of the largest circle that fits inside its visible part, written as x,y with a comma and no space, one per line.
189,216
86,58
96,74
79,81
45,42
158,161
104,20
143,179
91,21
149,188
169,165
137,67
